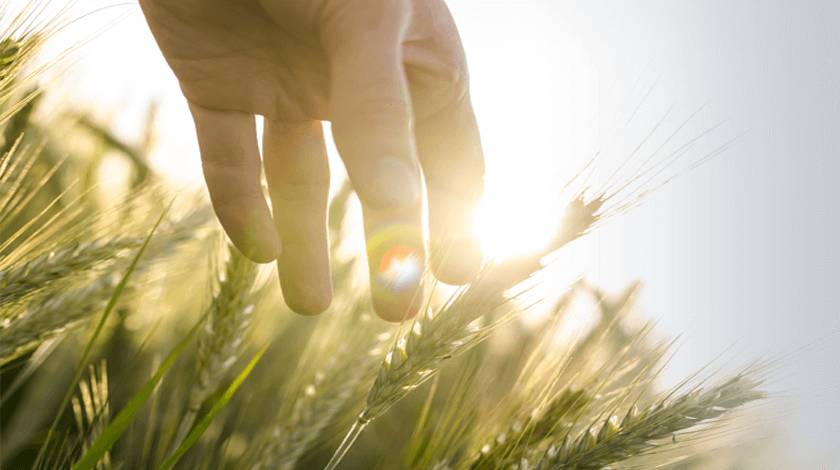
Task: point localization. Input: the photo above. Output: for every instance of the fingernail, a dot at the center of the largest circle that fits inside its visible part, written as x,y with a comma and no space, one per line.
394,183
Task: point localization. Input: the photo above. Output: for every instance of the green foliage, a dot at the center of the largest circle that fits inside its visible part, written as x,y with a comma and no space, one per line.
202,425
116,428
109,308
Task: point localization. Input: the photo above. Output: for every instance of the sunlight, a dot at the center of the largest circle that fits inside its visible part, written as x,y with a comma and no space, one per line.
507,226
529,108
531,140
518,213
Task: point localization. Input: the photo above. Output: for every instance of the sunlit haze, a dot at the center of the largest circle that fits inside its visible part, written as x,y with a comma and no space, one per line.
555,84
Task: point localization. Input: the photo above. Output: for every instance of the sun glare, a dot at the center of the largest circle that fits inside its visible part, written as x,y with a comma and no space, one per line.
507,227
514,218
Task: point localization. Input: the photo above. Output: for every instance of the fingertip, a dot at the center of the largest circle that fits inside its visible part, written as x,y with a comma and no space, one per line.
308,304
397,309
305,282
256,239
396,281
260,256
456,262
456,255
396,261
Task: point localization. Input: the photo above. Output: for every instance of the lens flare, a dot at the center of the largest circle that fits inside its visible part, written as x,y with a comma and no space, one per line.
399,268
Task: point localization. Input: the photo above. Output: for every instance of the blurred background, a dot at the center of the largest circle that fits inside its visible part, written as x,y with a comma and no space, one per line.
737,255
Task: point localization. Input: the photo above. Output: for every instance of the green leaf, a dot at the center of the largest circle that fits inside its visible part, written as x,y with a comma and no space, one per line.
112,302
217,407
116,428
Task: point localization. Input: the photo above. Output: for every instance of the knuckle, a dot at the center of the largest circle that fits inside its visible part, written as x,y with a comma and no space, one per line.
225,166
383,108
347,25
303,196
453,70
374,111
455,79
437,87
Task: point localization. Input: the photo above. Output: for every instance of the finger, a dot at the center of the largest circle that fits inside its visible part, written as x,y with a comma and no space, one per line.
231,162
449,148
298,175
448,143
372,129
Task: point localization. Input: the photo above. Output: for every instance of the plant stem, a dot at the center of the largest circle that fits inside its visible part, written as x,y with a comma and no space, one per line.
347,443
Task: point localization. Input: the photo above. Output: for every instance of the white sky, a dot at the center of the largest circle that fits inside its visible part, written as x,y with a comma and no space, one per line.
741,251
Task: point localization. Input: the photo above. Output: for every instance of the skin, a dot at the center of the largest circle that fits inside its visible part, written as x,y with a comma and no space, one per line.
391,77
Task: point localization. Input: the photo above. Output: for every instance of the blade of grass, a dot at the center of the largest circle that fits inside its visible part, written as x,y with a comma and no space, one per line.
106,313
217,407
116,428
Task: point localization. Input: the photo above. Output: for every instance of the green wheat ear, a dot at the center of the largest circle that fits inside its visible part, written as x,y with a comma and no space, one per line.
92,409
9,51
617,438
221,340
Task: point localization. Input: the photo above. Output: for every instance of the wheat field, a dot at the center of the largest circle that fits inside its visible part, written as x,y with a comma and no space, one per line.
132,335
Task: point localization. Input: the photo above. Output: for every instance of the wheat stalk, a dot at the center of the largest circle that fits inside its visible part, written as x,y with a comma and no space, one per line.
19,42
52,316
342,363
91,408
509,447
23,279
434,338
46,316
642,432
220,341
551,370
314,409
333,367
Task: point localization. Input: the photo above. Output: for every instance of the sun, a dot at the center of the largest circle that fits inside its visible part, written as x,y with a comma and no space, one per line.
507,224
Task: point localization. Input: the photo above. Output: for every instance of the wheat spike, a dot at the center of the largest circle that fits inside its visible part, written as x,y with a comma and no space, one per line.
342,364
220,341
91,408
615,438
23,327
23,279
433,338
52,316
509,447
314,409
436,337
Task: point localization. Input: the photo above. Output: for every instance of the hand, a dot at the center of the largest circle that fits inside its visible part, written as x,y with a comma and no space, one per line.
391,77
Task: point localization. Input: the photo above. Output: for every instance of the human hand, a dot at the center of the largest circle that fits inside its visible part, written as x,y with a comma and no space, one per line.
391,77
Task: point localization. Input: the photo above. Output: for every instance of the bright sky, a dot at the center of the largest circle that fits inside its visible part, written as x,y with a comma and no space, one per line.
554,82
